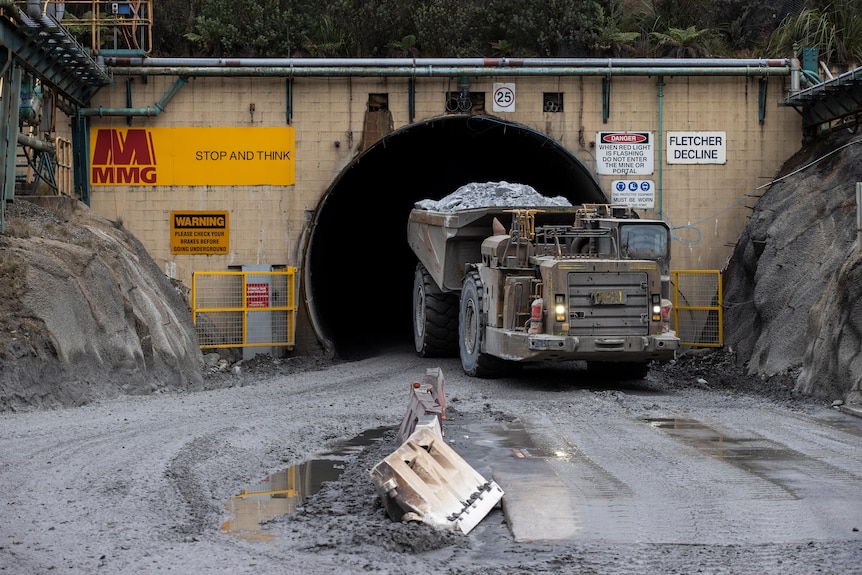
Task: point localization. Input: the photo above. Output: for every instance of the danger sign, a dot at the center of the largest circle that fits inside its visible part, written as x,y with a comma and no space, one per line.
257,295
625,153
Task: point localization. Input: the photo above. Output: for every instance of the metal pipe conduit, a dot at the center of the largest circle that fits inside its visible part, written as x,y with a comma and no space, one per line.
154,110
36,144
125,61
443,71
149,111
10,5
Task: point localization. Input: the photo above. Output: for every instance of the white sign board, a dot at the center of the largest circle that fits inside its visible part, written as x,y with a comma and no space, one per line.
504,97
625,153
697,147
634,193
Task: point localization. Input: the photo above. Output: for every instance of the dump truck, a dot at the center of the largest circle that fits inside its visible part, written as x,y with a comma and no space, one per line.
588,282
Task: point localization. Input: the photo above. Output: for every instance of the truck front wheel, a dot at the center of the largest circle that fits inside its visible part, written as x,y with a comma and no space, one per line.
435,317
470,331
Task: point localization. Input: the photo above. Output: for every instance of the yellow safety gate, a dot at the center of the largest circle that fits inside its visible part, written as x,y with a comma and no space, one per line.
697,307
245,308
65,183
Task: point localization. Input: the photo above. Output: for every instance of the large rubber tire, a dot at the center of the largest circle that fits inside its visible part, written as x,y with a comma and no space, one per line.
471,329
435,317
618,370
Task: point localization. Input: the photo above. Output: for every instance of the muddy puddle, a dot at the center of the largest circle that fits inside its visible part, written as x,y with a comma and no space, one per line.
840,421
741,451
282,492
482,444
780,465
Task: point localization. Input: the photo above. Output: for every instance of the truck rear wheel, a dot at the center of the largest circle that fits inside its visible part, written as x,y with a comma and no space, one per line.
435,317
470,331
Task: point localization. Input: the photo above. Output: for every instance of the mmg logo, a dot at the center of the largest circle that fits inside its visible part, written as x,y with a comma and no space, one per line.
123,157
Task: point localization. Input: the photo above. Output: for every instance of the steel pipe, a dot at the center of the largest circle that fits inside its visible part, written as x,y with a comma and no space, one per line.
442,71
154,110
126,61
11,7
36,144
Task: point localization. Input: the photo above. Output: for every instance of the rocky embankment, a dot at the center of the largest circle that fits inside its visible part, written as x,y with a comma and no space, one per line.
86,313
794,299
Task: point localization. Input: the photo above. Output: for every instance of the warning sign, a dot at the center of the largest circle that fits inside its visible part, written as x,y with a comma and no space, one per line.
256,295
195,233
625,153
634,193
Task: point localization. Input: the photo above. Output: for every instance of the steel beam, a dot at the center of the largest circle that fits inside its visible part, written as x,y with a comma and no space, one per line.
9,100
834,99
47,51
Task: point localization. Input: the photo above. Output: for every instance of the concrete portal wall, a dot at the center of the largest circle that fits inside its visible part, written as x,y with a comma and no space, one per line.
706,202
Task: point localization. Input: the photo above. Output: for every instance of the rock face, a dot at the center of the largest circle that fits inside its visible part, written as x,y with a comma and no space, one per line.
794,298
89,316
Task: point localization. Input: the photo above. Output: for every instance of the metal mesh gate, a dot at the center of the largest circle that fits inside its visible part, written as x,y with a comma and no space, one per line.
65,184
697,307
245,309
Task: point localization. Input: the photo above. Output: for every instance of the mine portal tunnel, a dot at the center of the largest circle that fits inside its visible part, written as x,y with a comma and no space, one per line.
359,269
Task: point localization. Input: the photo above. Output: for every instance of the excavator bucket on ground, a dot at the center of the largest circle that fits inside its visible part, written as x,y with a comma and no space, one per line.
425,480
427,405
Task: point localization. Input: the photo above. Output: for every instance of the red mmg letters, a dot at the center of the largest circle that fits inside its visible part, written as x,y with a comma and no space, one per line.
124,158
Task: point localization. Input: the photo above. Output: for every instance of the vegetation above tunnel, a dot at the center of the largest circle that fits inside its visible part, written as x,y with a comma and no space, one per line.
508,28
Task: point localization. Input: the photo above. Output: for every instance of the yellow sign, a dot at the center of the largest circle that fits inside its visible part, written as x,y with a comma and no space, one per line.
200,233
192,156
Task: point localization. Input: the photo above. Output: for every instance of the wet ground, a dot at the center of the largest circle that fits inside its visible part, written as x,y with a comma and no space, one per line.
666,475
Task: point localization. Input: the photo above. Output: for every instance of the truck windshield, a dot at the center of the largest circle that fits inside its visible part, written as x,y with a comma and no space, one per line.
644,241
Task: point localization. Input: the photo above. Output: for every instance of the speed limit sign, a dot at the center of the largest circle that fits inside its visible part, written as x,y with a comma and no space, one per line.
504,98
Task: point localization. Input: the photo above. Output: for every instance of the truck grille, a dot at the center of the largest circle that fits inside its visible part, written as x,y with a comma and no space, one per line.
608,303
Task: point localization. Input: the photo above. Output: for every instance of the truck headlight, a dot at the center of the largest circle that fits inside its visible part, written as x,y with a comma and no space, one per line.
656,307
560,307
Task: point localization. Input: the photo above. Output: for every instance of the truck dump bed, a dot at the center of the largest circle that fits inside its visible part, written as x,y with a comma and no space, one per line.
446,241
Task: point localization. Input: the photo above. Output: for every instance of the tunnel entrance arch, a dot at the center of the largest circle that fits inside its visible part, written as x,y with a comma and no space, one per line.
358,269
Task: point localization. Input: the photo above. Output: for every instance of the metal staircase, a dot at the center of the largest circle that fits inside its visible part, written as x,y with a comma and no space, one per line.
831,104
36,50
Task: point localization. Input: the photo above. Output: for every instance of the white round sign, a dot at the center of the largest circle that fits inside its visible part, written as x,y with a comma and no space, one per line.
504,97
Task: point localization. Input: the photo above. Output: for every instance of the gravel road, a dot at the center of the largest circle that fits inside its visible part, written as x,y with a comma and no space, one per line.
667,475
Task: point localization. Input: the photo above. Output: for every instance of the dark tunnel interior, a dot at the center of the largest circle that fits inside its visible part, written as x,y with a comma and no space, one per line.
360,268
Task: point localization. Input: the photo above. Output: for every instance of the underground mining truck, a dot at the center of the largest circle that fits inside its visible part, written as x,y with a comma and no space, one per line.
586,282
